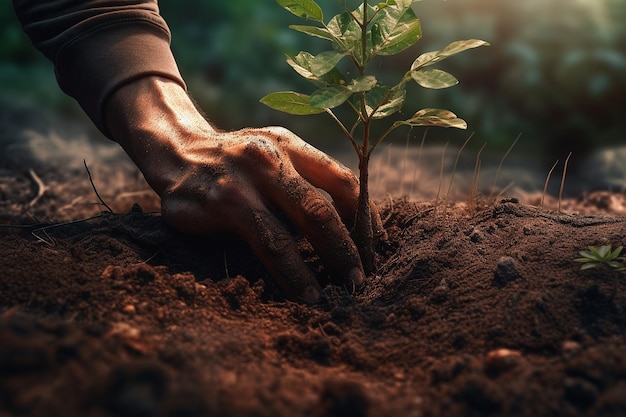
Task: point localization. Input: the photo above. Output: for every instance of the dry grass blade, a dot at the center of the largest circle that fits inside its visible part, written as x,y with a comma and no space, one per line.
475,180
563,180
545,186
404,162
456,163
443,161
419,159
497,176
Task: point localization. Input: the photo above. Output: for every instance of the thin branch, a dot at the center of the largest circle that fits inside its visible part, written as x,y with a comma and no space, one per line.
95,190
355,125
383,136
345,131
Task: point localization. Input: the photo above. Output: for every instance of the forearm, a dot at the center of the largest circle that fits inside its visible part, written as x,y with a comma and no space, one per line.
99,46
158,125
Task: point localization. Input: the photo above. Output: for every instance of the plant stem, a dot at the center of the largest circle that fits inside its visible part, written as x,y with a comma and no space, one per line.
363,234
363,38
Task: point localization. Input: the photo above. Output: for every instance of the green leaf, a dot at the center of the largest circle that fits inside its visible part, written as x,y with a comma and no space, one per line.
302,64
313,31
588,266
347,34
426,59
362,84
434,78
435,117
584,260
324,62
433,57
601,251
394,29
404,3
616,252
385,101
392,106
306,9
291,102
460,46
330,97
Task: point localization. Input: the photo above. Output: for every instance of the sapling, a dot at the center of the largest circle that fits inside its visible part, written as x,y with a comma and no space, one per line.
603,255
359,35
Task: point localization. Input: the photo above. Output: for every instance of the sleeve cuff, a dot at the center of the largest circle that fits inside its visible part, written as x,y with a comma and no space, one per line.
92,67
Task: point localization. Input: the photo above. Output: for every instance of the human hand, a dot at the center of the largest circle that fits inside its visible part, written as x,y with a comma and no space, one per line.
213,181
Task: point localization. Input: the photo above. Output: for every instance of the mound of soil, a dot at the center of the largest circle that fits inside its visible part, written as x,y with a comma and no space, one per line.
475,311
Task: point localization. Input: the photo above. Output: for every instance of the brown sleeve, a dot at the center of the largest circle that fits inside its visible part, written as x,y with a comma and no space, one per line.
97,46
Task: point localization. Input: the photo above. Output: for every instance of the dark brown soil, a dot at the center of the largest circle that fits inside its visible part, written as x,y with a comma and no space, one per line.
476,312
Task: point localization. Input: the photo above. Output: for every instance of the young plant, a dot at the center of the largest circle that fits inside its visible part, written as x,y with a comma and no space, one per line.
604,256
360,35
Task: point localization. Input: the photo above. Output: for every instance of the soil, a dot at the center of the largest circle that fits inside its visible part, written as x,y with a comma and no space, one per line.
476,310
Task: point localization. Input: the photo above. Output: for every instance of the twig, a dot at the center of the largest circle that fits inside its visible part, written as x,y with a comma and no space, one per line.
41,239
95,190
39,227
41,187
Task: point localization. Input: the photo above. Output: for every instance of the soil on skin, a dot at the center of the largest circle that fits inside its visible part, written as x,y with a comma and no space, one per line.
474,312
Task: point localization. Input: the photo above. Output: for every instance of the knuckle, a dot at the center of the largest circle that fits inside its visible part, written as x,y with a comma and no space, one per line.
278,245
347,178
198,206
283,136
319,210
279,131
258,152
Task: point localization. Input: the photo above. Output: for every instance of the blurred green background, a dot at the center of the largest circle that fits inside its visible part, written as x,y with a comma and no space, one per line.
556,70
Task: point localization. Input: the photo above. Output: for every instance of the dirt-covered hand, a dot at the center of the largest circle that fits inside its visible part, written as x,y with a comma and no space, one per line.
213,181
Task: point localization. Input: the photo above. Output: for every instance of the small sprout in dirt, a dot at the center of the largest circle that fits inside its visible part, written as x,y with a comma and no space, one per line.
603,255
383,29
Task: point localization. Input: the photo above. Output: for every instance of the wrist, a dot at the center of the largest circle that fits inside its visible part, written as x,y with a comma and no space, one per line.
156,123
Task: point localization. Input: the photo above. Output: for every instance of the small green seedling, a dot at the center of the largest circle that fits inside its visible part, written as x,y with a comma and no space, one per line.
602,256
386,28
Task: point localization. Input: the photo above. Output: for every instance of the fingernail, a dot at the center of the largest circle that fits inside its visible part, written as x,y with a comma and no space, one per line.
356,277
310,295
